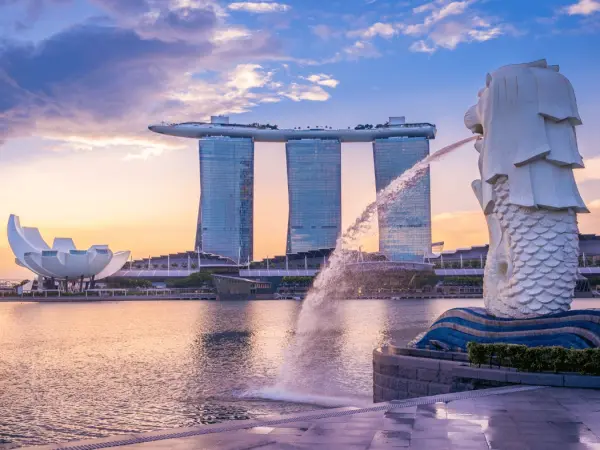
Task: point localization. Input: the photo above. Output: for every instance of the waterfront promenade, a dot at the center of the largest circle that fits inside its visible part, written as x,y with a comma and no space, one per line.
511,418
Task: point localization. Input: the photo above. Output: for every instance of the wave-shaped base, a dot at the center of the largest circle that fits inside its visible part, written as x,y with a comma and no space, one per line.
454,329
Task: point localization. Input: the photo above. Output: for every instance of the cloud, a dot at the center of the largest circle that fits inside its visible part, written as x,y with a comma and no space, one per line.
144,155
447,24
421,47
248,76
137,147
230,33
89,82
423,8
361,49
323,80
32,10
128,8
168,20
583,8
438,13
86,72
448,35
259,7
185,24
298,92
384,30
237,91
324,32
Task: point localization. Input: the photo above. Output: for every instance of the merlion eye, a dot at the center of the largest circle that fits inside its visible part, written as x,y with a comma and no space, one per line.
488,80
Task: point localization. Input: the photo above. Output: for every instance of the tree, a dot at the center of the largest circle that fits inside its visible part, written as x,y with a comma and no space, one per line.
304,281
128,283
196,279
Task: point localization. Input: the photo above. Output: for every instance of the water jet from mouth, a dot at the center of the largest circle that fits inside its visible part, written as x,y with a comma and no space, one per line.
318,322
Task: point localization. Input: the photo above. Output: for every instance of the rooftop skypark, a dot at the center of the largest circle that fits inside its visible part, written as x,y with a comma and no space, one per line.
220,126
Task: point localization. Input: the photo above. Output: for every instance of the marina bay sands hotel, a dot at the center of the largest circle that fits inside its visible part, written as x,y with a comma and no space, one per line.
225,218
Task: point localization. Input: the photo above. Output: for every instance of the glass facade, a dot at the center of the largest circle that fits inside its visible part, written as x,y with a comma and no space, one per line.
314,169
225,218
405,227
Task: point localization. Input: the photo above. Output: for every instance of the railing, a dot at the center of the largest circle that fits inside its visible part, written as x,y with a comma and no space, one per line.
44,293
158,293
443,263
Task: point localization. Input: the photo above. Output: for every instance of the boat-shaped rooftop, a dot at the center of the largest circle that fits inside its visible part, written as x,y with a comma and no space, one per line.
220,126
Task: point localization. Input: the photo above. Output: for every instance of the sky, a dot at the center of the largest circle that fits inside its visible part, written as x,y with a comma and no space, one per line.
80,80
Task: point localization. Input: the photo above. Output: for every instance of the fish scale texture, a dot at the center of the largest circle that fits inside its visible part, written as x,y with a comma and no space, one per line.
543,252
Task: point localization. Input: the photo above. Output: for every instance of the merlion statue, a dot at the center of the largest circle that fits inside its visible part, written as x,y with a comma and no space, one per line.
526,115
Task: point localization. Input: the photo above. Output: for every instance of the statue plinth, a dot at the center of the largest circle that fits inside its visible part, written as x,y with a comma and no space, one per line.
454,329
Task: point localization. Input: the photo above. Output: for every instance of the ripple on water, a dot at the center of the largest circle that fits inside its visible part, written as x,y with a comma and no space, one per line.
77,371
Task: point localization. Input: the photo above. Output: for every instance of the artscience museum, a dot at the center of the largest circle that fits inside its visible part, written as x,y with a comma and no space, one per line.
62,261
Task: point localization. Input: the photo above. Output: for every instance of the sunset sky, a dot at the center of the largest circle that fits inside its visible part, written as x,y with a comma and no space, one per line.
80,80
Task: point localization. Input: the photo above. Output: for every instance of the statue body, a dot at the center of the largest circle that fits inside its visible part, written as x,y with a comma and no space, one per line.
527,115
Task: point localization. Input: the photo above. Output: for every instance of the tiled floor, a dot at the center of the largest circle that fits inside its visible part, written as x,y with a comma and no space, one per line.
542,419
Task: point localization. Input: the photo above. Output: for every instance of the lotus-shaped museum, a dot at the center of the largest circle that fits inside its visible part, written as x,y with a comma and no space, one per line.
63,261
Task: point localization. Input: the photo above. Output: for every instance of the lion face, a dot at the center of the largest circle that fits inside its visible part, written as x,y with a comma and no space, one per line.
474,115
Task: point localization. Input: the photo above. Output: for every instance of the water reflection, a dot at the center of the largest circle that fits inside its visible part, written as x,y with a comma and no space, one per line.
72,371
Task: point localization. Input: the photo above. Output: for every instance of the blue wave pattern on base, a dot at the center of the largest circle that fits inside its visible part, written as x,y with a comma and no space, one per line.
457,327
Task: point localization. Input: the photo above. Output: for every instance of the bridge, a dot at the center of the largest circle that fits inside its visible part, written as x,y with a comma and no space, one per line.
258,273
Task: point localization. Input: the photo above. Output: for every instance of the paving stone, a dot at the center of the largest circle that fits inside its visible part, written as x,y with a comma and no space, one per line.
430,443
288,431
389,439
508,445
548,419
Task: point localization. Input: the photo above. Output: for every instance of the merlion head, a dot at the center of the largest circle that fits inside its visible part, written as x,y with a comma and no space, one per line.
535,86
513,109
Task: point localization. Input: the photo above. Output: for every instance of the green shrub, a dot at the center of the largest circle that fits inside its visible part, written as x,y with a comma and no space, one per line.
558,359
502,354
536,359
478,353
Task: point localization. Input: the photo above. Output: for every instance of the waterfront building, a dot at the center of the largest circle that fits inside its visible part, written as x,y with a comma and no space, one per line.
315,194
237,288
62,261
314,176
371,270
404,226
225,216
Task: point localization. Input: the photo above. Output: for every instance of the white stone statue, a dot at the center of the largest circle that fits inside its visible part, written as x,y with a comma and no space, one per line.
527,115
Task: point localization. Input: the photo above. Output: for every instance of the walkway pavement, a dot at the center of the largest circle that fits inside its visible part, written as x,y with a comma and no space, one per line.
512,418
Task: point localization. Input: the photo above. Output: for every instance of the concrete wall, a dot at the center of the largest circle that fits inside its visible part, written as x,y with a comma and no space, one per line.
400,373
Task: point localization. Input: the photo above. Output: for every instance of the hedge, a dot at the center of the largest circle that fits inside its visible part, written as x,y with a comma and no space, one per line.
536,359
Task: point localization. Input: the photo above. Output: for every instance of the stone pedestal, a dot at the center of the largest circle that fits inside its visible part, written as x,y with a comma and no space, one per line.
400,373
